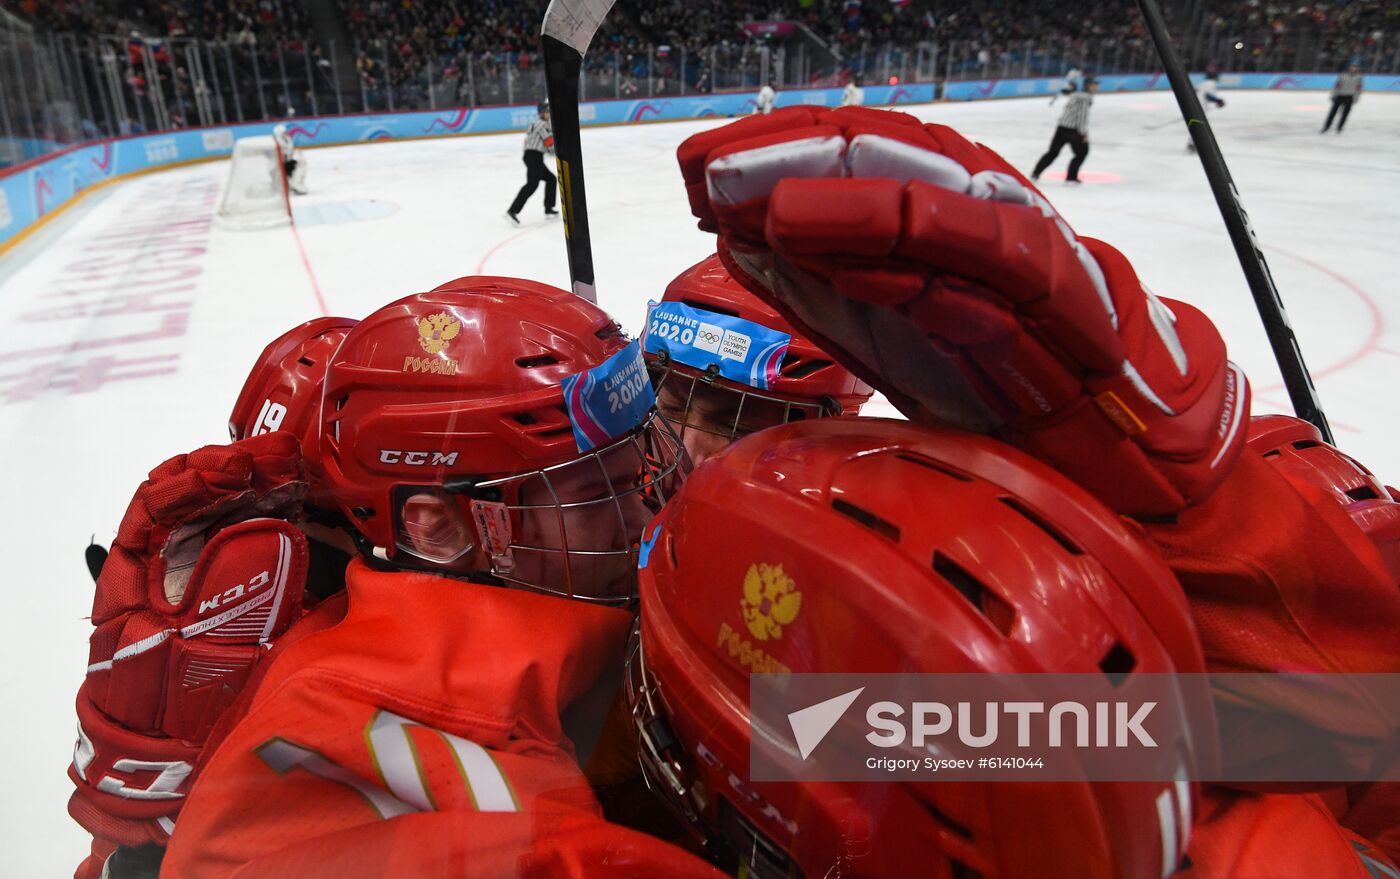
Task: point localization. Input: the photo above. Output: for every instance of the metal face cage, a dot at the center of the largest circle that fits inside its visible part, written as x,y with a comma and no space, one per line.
571,529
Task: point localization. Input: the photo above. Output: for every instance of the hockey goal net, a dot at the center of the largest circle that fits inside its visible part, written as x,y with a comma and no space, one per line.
255,194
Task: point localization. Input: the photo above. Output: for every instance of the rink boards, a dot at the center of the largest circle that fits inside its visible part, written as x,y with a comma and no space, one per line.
35,190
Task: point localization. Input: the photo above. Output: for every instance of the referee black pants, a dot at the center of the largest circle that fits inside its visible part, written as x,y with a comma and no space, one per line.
535,171
1076,142
1343,103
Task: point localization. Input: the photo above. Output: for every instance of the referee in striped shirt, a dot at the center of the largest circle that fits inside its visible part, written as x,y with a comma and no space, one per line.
539,139
1072,131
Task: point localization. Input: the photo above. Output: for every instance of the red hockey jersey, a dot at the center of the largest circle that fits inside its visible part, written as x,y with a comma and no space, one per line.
1280,579
1276,836
413,727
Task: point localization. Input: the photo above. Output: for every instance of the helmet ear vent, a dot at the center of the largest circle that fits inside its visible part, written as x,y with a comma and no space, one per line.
937,467
963,871
802,368
546,422
562,425
711,307
306,361
537,361
1117,663
959,870
1035,519
986,602
880,526
948,823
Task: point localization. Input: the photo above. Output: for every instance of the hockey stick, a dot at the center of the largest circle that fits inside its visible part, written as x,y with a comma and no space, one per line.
569,26
1296,377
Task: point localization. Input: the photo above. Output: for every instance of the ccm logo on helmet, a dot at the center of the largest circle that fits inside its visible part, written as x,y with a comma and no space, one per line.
418,459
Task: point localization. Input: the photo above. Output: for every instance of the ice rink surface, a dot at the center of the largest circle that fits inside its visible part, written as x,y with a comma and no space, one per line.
116,354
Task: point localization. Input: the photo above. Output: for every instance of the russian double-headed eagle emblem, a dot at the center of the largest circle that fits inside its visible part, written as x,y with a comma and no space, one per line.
436,330
770,601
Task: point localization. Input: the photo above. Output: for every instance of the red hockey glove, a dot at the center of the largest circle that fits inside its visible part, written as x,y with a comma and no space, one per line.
935,271
205,572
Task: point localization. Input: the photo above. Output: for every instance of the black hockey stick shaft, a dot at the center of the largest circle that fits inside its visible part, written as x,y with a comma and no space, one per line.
562,65
569,26
1296,377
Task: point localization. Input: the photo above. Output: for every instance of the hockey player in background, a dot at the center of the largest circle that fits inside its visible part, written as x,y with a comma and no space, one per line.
1345,93
853,95
1071,84
293,163
467,687
1208,93
714,397
937,273
767,98
539,142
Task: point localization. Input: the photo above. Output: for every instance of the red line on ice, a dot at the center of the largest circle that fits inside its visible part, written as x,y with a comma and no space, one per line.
310,273
1372,342
481,265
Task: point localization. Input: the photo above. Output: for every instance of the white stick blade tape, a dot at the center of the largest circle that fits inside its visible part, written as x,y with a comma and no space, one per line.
574,22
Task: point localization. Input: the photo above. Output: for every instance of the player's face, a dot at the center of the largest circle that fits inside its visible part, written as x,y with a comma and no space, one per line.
571,529
565,532
710,417
433,527
580,522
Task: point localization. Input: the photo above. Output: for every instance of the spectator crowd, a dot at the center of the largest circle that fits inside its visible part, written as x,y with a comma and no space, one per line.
275,58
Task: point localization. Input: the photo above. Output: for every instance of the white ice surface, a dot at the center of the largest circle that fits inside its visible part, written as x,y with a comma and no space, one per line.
1327,208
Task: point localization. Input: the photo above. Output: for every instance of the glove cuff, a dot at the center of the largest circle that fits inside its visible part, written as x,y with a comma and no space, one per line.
127,775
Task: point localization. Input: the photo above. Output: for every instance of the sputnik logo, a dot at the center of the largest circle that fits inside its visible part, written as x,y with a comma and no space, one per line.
811,724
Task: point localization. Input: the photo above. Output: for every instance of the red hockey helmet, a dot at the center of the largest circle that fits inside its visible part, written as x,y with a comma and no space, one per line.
283,392
809,383
1296,449
446,440
909,550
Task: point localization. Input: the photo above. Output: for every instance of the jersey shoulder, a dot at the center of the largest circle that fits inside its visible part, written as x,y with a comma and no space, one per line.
427,695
